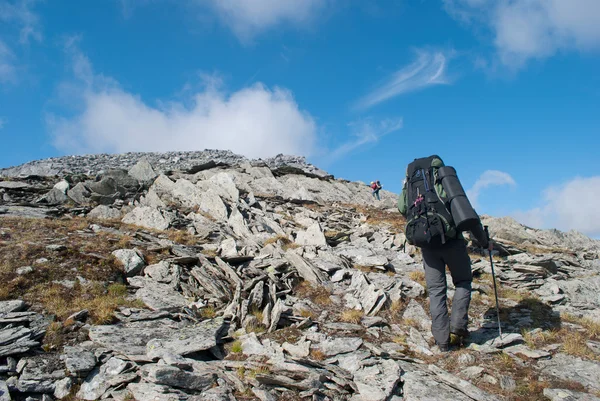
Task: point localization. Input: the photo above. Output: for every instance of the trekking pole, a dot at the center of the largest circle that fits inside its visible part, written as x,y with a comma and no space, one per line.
487,234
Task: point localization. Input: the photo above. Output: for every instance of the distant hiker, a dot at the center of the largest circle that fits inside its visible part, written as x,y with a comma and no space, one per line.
437,210
376,187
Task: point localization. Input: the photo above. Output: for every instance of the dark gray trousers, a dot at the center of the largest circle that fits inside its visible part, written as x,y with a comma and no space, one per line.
454,254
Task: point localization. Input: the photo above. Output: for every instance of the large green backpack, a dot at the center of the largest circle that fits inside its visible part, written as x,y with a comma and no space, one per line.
429,221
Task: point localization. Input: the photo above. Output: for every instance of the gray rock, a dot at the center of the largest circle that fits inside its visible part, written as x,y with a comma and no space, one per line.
79,361
212,204
467,359
313,236
581,371
63,388
14,185
55,197
4,394
555,394
62,186
339,345
187,340
12,306
143,171
154,392
225,186
21,271
131,260
79,193
507,383
149,217
420,386
56,248
130,339
175,377
472,372
306,270
379,382
103,378
39,373
103,212
158,296
415,312
299,350
238,224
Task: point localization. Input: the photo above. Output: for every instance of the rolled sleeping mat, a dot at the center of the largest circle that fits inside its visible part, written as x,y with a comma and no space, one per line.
465,217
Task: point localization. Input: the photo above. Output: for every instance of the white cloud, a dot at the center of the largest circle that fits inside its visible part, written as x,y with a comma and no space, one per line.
525,29
487,179
428,69
366,132
255,121
2,122
7,68
20,12
248,18
570,206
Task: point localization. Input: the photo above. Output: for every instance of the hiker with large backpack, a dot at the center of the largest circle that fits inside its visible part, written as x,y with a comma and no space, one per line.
376,187
437,211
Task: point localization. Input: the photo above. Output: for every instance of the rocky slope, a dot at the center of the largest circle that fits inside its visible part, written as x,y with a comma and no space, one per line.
207,276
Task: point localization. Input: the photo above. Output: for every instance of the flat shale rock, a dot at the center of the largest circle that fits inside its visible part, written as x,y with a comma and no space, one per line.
567,367
339,345
11,306
175,377
40,373
101,379
190,339
4,394
79,361
158,296
130,339
154,392
555,394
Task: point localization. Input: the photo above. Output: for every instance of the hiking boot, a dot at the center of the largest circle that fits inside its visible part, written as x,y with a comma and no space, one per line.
462,333
444,348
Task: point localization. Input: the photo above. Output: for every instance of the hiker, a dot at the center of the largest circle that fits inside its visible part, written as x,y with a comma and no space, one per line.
376,187
431,196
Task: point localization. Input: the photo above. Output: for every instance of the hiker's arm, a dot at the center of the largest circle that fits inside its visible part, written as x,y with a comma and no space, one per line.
479,234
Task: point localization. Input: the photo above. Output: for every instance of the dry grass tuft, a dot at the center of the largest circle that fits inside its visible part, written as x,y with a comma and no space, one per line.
208,312
101,302
377,217
418,276
308,313
352,316
283,240
236,347
317,354
318,295
181,237
591,327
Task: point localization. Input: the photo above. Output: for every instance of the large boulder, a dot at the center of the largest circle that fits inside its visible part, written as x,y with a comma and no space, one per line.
149,217
143,171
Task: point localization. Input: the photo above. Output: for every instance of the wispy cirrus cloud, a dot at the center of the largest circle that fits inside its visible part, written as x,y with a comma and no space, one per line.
427,70
7,67
366,132
21,13
488,179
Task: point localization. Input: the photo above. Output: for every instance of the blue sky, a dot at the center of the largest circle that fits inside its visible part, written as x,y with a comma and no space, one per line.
506,91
